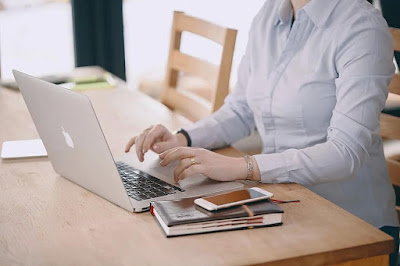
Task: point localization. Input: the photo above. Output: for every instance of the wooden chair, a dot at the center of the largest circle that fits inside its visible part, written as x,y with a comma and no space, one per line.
390,125
194,107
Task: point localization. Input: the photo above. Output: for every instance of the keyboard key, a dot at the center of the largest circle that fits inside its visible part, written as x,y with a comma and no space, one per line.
142,186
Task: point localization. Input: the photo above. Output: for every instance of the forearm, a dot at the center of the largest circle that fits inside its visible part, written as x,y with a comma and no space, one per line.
229,124
323,163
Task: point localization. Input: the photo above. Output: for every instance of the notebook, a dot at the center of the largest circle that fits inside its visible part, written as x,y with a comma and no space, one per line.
184,217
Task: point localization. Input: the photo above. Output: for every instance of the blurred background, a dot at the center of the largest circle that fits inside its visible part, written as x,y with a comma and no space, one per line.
37,36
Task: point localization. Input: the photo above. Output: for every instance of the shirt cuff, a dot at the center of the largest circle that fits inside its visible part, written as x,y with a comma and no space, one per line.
200,136
272,167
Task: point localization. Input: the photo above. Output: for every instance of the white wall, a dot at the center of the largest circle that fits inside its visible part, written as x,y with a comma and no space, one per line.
147,32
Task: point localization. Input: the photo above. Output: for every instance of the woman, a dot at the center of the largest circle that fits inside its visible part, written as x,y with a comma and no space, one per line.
313,81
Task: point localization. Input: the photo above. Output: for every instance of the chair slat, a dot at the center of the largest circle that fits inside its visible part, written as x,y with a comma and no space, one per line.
394,86
201,27
389,126
193,109
225,70
195,66
396,38
217,76
398,213
394,171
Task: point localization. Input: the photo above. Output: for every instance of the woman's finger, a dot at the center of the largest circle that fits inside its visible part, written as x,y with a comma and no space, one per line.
191,170
162,146
152,135
183,164
179,149
178,153
139,144
164,153
130,143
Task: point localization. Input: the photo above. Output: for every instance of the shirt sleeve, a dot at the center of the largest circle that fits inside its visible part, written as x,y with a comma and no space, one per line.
364,62
233,121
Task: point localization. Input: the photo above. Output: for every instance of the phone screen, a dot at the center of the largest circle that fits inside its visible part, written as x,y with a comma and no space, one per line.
234,196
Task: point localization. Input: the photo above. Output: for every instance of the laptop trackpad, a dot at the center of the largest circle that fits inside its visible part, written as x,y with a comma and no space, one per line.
199,185
194,186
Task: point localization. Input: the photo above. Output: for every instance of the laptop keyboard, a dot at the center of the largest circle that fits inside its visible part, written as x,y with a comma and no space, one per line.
142,186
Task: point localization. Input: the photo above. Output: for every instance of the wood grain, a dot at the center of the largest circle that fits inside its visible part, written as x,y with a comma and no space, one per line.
389,126
378,260
394,86
47,220
187,104
200,27
195,66
394,171
222,89
396,38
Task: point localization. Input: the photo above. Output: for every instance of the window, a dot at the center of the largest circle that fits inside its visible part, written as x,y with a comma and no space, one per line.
36,37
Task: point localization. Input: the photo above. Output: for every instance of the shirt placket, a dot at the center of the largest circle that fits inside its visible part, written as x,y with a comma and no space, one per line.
298,35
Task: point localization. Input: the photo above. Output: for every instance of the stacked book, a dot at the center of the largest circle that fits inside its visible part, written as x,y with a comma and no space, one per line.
184,217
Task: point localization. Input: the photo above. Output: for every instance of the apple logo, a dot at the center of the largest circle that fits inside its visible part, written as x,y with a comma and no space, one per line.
68,138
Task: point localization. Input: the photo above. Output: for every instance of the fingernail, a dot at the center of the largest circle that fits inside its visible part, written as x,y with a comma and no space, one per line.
162,162
156,148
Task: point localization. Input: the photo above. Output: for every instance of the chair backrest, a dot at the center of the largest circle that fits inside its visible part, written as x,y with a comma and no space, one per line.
390,125
217,76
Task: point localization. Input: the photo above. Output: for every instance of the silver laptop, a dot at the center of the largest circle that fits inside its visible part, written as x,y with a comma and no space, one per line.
78,151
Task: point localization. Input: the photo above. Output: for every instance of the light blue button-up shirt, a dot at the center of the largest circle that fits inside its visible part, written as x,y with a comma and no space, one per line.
314,90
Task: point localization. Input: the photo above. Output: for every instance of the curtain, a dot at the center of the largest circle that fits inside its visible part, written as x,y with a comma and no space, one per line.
98,34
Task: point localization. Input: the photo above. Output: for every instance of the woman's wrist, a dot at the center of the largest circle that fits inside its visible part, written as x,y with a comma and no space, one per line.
182,141
243,169
187,142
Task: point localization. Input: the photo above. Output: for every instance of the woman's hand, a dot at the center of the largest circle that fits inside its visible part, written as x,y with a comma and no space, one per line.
157,138
200,161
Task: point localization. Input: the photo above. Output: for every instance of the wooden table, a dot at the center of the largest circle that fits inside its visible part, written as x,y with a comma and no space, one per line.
47,220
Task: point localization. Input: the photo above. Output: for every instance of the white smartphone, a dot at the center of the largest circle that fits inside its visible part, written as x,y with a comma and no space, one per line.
234,198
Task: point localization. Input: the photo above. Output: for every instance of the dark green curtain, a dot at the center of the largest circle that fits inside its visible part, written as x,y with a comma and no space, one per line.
99,35
391,12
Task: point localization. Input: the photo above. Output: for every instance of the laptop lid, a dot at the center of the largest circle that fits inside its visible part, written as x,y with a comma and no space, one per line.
70,131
